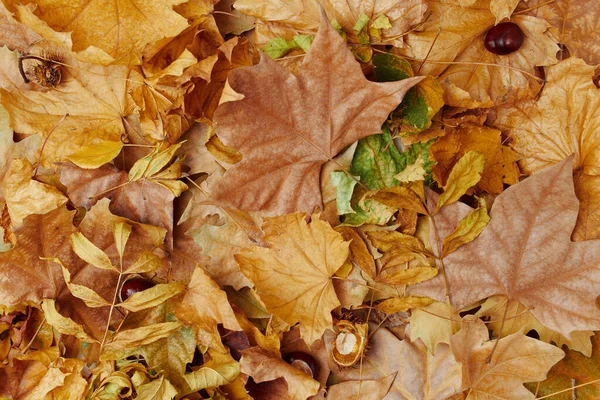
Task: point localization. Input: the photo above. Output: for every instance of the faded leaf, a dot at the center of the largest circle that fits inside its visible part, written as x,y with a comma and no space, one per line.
517,359
375,389
264,180
537,264
400,304
302,259
152,297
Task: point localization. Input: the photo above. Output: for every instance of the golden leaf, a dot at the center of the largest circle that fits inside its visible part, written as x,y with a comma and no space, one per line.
95,155
465,174
401,304
467,230
301,260
152,297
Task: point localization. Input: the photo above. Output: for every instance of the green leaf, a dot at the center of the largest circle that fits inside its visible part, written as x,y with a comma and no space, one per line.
304,41
344,184
279,47
381,22
360,24
420,103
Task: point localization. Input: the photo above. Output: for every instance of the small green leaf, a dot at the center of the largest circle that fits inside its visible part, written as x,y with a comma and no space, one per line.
344,184
304,41
360,24
279,47
381,22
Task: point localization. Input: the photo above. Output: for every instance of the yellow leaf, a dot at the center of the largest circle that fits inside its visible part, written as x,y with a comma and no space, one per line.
91,298
397,247
215,373
64,325
132,338
408,276
413,172
158,389
466,173
434,324
89,253
399,197
467,230
122,31
121,232
401,304
95,155
25,196
160,160
359,253
146,262
152,297
293,276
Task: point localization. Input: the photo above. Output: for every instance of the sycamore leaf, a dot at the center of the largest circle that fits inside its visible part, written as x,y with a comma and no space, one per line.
573,370
204,306
563,121
138,22
301,260
516,358
439,376
263,366
434,324
467,229
575,23
330,81
500,161
95,155
537,264
465,174
518,318
25,196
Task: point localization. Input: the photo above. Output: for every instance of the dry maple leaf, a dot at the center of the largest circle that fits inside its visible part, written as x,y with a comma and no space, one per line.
293,276
564,120
121,29
576,24
419,374
287,126
516,359
457,54
537,264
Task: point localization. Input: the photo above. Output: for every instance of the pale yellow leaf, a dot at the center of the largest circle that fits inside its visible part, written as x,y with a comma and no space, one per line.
400,304
132,338
62,324
467,230
465,174
95,155
90,297
152,297
90,253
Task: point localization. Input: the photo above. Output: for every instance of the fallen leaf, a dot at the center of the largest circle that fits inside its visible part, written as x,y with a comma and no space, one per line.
137,24
516,358
500,161
375,389
537,264
575,24
573,370
262,366
419,375
264,180
307,255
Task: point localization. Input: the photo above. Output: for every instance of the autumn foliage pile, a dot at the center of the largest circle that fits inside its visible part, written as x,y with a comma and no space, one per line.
269,199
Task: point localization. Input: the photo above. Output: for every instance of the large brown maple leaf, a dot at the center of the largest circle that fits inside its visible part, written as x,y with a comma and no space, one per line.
526,253
287,126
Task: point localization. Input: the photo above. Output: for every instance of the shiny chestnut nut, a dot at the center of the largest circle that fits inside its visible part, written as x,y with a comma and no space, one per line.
504,38
302,361
134,285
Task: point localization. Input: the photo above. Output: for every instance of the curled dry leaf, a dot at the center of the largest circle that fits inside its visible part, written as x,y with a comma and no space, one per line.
284,143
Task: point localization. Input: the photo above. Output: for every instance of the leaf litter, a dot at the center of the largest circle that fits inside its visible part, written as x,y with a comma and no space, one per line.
288,200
